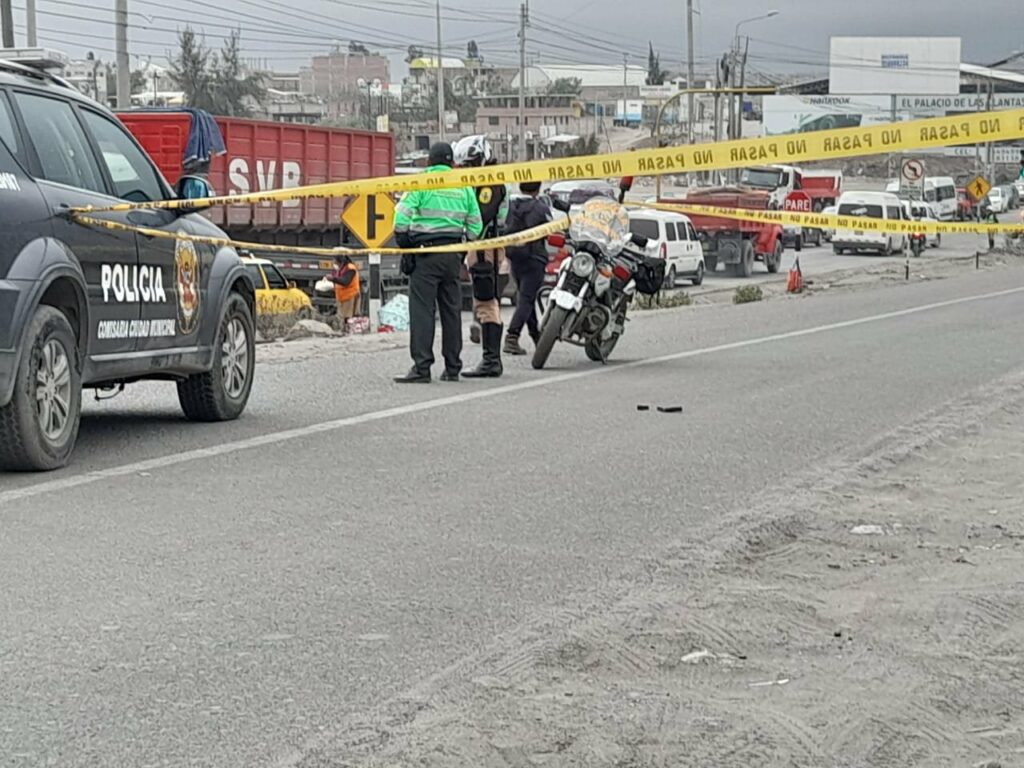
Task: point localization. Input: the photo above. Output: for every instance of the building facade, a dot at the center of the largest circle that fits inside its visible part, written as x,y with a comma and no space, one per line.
336,79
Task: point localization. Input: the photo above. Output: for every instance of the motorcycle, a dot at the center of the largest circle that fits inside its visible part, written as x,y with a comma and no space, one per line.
596,283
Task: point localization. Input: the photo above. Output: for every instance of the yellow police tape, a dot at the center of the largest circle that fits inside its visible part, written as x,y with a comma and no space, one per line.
505,241
836,222
1006,125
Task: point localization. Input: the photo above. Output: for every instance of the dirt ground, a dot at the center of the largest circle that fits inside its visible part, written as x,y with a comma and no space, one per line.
872,614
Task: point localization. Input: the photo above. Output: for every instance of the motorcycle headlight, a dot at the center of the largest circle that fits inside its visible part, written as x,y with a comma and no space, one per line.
583,265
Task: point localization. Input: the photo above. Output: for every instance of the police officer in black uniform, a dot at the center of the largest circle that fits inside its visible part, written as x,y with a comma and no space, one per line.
486,266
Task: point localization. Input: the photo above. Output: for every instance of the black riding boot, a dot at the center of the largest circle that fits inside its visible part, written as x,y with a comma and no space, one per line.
490,367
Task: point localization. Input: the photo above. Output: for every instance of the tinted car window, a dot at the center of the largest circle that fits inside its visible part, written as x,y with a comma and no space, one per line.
63,151
691,233
274,278
134,178
895,212
645,228
7,131
256,275
858,209
670,231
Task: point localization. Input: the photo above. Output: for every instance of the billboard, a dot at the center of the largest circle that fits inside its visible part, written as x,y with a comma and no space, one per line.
894,65
799,114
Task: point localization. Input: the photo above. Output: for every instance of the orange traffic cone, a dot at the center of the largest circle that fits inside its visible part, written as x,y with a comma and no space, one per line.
795,283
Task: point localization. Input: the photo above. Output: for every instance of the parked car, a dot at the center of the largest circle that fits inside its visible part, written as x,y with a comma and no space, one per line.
85,306
829,210
671,236
996,200
562,190
274,294
872,205
918,211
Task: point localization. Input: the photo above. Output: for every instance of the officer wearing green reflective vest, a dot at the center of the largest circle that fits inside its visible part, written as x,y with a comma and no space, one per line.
426,218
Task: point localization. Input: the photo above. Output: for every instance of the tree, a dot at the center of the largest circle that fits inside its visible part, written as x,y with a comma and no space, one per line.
413,53
190,70
235,89
218,84
473,51
139,81
569,86
655,74
358,48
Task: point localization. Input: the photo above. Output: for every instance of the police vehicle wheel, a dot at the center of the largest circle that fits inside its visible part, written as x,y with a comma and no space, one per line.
38,428
221,393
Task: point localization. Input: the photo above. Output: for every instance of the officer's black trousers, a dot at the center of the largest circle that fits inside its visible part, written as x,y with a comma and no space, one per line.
435,282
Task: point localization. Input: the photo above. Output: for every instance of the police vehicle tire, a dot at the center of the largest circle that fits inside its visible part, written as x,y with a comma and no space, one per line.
221,393
548,336
48,373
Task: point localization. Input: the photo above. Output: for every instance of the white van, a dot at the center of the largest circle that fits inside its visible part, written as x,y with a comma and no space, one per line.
671,236
872,205
939,193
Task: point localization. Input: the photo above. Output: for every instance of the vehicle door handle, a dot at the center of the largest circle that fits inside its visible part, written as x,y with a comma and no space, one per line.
147,218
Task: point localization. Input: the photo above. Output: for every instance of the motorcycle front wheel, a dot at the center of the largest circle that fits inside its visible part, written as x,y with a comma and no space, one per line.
599,350
553,323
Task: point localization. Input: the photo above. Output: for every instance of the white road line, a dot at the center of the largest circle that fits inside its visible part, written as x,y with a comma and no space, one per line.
76,481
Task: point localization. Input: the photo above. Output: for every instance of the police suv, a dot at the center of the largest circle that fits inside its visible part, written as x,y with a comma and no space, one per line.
88,306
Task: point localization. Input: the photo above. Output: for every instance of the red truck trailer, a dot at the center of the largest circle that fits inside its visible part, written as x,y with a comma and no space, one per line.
728,241
264,155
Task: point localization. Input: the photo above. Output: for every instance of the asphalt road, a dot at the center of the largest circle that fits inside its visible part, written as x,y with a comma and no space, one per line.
244,594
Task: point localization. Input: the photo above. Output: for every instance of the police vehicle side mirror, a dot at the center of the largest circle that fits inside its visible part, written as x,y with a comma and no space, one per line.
193,188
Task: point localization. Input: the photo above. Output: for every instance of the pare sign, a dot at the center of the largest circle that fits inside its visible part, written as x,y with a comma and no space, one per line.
798,202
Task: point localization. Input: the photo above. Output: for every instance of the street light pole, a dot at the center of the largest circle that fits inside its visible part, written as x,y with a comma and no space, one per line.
440,77
734,129
524,19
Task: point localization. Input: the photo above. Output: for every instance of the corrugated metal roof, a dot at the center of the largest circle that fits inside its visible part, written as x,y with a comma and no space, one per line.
985,73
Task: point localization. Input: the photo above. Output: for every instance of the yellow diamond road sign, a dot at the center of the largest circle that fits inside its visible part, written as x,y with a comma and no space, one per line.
978,188
371,218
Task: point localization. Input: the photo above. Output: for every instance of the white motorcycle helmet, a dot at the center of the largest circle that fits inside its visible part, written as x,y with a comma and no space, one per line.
472,151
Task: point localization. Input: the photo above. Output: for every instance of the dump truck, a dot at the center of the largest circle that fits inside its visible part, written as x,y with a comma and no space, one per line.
263,155
737,244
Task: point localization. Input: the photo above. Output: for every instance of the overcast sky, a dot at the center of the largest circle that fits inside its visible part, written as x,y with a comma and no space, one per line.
286,32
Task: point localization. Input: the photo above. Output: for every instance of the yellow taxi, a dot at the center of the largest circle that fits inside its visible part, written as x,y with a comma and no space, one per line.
274,294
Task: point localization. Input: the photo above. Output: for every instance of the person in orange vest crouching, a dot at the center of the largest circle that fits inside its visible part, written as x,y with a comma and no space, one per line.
346,289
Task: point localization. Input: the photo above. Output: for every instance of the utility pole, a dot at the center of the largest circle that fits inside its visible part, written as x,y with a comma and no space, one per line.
739,96
440,77
689,71
121,45
988,147
124,67
7,19
30,23
730,82
524,20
